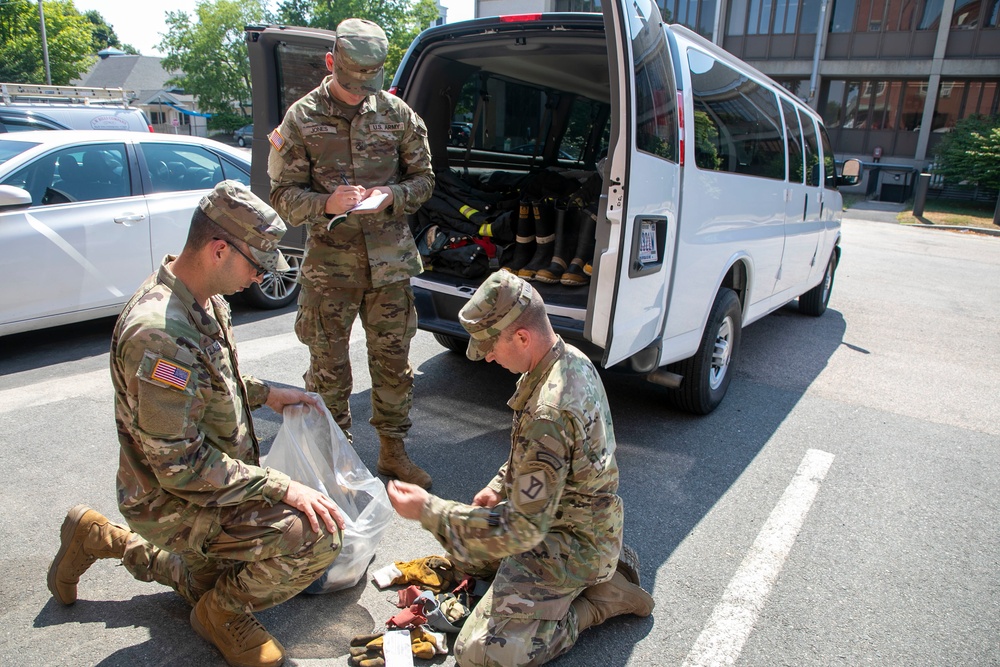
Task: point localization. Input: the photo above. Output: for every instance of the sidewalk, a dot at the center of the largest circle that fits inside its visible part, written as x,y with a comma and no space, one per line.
880,211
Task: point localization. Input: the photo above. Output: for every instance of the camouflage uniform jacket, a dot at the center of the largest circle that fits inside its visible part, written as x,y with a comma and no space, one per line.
183,414
559,528
314,149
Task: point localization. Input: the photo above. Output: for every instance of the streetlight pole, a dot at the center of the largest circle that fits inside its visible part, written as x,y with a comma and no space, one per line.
45,45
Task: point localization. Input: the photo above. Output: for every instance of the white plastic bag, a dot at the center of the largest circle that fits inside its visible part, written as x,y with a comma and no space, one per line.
311,449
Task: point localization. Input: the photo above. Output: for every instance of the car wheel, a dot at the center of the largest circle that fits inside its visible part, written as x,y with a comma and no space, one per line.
706,375
814,301
277,290
242,142
453,343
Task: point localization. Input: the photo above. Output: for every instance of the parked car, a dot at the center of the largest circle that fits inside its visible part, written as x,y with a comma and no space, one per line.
717,202
29,117
244,135
24,108
86,216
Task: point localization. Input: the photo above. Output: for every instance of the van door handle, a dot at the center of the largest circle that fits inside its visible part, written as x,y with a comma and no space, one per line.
805,206
129,219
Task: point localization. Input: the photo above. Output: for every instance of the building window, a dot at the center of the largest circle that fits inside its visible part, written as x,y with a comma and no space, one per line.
961,99
773,17
881,15
930,17
992,15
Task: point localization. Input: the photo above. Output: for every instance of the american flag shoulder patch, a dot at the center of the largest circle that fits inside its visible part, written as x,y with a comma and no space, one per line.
276,139
170,373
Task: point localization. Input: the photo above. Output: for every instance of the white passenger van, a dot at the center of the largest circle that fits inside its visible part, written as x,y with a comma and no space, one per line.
719,199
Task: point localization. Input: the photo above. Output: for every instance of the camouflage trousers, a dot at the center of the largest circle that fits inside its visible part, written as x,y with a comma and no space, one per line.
254,555
389,319
491,638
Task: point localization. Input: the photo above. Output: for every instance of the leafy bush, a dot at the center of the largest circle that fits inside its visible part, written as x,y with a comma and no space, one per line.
970,153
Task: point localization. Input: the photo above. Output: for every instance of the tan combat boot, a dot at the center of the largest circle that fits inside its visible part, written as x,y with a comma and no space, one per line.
612,598
86,536
393,462
239,636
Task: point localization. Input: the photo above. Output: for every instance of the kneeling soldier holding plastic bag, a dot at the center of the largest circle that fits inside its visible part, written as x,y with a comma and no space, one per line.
552,514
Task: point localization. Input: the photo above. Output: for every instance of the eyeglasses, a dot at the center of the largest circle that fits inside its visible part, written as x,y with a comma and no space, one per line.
257,267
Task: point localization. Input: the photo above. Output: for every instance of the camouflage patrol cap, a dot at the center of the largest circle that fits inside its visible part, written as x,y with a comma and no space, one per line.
496,304
232,206
359,56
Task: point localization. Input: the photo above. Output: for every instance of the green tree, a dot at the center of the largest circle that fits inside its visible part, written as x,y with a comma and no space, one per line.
104,35
211,53
68,34
970,154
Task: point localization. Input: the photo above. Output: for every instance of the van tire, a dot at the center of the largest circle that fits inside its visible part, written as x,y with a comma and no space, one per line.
815,300
453,343
708,372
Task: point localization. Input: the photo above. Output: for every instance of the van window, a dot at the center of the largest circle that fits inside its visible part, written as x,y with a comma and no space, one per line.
793,139
519,118
656,95
299,69
829,163
736,121
811,149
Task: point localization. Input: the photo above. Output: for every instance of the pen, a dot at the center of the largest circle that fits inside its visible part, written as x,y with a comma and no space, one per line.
343,177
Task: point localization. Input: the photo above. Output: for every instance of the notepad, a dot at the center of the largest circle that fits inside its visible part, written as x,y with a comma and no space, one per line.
367,204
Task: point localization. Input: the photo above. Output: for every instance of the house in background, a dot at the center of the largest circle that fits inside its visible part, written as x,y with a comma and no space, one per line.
170,111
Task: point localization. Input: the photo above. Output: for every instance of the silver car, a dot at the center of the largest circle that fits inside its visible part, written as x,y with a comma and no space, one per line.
86,216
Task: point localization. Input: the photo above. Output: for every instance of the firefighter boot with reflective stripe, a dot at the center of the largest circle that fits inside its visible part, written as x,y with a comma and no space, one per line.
524,240
614,597
239,636
393,462
545,239
86,535
566,222
578,272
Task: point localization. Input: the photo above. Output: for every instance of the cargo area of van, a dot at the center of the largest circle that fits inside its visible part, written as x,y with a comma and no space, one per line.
518,122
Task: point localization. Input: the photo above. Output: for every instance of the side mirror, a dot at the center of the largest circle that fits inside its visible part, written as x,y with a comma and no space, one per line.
850,173
12,197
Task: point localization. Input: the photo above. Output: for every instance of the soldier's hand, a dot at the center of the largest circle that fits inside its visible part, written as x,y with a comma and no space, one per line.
486,498
344,198
280,397
386,203
315,505
407,499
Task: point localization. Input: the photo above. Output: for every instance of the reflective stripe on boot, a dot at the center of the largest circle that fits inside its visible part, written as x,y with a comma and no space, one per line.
524,241
393,462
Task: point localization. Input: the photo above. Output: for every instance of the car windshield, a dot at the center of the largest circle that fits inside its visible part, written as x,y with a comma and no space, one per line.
9,149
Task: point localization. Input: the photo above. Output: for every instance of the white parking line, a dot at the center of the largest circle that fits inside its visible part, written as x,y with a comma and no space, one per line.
733,619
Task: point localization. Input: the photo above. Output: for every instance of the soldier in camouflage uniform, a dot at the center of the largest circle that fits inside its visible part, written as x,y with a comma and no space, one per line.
345,141
552,514
229,536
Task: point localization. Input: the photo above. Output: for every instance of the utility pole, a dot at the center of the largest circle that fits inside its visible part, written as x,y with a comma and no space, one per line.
45,45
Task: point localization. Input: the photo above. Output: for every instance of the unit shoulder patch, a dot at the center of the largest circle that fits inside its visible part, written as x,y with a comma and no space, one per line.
533,487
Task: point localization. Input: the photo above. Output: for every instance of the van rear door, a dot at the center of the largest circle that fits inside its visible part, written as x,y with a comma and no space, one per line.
638,213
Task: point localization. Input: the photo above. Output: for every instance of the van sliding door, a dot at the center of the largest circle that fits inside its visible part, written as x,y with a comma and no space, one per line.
634,261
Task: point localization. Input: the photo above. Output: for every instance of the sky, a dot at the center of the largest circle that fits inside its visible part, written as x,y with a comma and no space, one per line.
142,24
